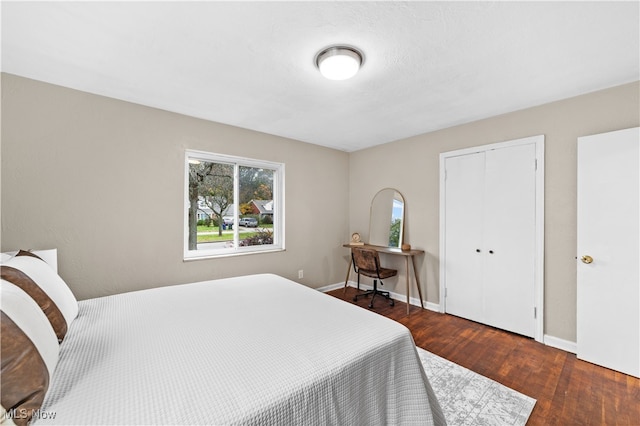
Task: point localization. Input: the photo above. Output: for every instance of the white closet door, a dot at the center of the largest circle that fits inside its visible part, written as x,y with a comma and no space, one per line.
608,293
464,224
509,250
491,235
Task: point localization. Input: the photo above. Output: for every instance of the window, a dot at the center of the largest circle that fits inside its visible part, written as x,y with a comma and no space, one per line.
234,205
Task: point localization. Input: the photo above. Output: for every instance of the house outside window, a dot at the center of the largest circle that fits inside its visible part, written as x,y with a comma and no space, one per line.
223,195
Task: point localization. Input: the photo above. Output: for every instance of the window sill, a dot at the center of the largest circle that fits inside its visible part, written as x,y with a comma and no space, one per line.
234,254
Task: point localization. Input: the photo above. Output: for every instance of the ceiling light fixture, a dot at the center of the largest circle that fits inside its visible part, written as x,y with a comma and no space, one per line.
339,62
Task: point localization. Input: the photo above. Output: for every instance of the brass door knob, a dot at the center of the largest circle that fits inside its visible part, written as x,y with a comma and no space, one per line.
586,259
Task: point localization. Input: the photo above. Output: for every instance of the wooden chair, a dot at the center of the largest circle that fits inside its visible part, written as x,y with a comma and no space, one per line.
367,262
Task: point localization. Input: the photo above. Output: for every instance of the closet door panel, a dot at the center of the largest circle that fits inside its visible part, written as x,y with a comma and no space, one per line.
509,238
463,227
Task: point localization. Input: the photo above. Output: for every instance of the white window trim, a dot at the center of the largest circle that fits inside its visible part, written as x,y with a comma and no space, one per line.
278,201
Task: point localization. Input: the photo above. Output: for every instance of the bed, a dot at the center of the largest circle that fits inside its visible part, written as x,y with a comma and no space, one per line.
257,349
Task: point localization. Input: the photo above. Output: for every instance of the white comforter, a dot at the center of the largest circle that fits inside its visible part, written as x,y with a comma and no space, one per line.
248,350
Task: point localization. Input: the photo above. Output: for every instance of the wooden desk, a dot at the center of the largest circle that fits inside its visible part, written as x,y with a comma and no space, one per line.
398,252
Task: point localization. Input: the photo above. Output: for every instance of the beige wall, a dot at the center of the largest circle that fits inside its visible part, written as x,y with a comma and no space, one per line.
102,180
412,167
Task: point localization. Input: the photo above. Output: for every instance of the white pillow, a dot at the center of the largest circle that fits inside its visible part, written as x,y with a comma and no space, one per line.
50,256
50,282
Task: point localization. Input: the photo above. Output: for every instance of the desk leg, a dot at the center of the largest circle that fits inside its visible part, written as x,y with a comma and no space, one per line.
415,273
346,280
407,272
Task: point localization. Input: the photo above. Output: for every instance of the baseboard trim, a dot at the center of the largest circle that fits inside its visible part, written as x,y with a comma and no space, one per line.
554,342
330,287
558,343
396,296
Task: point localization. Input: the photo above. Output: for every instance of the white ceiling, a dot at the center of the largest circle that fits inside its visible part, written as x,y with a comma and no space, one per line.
428,65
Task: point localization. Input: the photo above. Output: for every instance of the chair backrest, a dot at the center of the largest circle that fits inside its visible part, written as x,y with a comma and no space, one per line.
365,259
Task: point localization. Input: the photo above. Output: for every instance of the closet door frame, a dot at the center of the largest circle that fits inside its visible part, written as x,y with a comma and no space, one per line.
538,141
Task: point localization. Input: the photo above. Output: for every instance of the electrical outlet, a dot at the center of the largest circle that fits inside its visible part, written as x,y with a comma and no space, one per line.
300,274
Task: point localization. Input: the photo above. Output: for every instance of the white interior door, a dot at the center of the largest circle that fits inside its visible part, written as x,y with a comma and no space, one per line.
608,294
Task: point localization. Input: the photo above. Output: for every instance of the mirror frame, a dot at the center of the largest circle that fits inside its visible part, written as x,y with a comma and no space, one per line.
401,239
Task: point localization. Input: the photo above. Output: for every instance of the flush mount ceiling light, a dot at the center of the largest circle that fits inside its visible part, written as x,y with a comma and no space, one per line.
339,62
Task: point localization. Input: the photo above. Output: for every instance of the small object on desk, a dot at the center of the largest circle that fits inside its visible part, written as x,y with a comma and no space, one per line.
406,247
355,240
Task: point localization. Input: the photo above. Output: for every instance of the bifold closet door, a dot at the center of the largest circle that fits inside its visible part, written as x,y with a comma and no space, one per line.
510,239
464,227
490,240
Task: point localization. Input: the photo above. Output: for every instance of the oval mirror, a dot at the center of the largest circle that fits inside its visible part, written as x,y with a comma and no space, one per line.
386,221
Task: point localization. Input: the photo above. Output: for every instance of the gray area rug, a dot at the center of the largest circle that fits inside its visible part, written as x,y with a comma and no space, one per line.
468,398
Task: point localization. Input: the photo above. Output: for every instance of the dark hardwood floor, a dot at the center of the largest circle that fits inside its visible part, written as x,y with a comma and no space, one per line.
568,391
